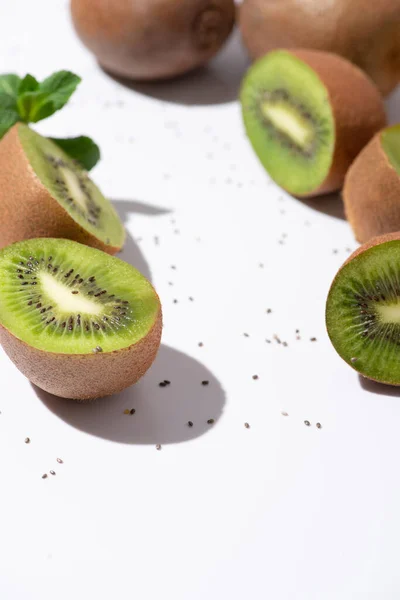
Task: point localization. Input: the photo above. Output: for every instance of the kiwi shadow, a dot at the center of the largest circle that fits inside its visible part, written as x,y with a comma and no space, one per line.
131,252
161,413
329,204
216,83
381,389
392,103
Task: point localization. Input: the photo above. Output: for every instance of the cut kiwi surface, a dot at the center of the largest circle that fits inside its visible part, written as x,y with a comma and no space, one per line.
68,312
363,310
372,187
304,123
289,121
44,193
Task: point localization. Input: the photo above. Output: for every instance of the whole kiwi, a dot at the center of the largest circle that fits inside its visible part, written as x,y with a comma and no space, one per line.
153,39
366,33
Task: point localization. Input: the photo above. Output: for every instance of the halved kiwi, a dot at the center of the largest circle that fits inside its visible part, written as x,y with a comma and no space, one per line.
307,115
44,193
363,310
371,191
77,322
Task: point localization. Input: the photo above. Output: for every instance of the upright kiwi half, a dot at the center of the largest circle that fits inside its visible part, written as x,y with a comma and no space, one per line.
307,115
363,310
44,193
77,322
371,191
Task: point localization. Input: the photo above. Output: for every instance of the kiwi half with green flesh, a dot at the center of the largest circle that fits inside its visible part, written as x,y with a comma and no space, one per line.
371,192
366,33
363,310
77,322
308,114
44,193
153,39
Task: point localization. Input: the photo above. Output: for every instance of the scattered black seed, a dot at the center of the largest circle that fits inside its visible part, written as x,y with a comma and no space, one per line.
246,335
313,339
63,324
319,426
52,472
44,476
247,426
269,311
167,382
38,305
158,446
97,349
60,461
205,382
91,279
255,377
162,384
211,421
27,440
353,360
173,267
175,301
307,423
190,423
201,344
191,299
75,292
132,411
284,413
285,344
268,341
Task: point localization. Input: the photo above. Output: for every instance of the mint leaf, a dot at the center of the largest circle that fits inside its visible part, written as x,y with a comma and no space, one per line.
59,87
8,118
83,149
37,101
9,84
28,84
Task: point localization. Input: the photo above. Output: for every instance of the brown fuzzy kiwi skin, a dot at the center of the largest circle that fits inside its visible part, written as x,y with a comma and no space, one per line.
84,376
27,209
357,107
371,193
376,241
366,33
153,39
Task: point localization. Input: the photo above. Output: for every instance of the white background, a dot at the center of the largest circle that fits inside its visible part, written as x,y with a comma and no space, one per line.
278,511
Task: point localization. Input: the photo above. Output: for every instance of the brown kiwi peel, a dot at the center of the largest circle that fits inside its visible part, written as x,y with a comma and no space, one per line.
153,39
27,208
84,376
366,33
371,193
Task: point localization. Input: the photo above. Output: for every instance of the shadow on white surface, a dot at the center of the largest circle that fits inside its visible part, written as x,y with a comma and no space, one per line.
217,83
161,413
329,204
378,388
393,107
131,252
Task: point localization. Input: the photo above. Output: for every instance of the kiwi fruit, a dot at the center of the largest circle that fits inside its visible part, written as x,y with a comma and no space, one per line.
307,115
153,39
44,193
363,310
366,33
76,321
371,192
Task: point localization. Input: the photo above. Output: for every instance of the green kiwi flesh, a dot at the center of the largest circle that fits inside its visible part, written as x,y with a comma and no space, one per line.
63,297
289,121
72,188
363,312
390,140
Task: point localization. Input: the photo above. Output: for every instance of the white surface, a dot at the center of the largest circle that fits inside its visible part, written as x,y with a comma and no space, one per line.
278,511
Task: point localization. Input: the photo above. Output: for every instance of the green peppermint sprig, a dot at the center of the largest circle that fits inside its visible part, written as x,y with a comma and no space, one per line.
27,100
